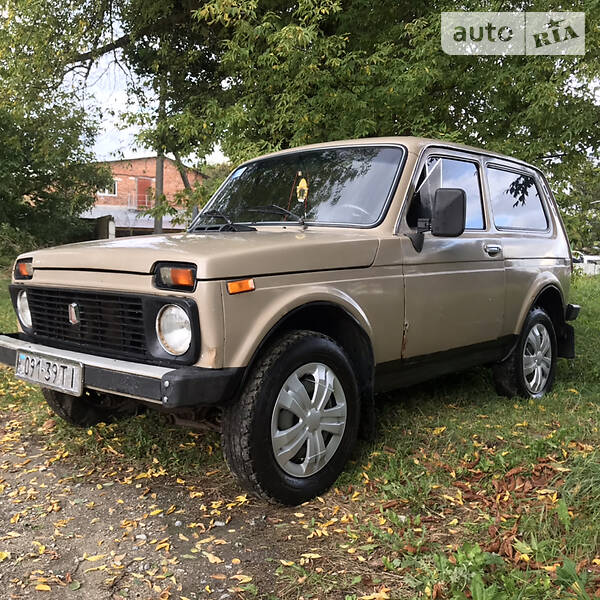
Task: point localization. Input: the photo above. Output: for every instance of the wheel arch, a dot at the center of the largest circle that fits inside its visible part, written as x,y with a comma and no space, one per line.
545,292
549,297
336,321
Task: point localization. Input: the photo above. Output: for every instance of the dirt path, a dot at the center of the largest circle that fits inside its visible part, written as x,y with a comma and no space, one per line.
70,532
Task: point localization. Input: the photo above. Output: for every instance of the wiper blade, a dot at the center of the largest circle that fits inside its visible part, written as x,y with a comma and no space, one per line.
229,225
217,214
278,210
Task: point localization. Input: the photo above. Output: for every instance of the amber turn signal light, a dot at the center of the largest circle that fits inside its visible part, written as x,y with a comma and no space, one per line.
24,269
175,276
241,285
181,277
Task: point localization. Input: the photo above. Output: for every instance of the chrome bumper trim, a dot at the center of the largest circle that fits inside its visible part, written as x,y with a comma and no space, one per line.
89,360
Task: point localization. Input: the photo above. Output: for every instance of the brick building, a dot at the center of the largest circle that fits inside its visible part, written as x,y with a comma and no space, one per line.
132,192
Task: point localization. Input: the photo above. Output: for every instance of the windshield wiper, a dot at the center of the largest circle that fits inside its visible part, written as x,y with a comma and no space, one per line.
219,215
228,226
278,210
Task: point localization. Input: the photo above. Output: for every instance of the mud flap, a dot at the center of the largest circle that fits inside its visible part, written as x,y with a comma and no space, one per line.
566,342
367,429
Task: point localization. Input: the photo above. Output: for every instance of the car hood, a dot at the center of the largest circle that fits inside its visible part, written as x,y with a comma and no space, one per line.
221,255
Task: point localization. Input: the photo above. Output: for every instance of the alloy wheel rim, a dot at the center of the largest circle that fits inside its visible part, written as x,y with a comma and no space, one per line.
309,420
537,358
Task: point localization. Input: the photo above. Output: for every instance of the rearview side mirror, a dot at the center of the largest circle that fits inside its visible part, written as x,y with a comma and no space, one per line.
448,212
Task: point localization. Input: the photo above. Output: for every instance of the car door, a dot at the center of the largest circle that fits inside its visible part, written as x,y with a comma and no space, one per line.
454,287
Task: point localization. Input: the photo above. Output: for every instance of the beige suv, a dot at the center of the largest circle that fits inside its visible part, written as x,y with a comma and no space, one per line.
315,278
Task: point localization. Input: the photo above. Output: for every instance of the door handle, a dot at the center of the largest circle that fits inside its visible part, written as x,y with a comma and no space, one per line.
492,249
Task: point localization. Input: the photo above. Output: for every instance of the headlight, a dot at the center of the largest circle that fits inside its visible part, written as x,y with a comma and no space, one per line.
23,309
173,329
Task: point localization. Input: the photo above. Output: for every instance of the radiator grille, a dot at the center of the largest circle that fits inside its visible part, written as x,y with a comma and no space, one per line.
110,324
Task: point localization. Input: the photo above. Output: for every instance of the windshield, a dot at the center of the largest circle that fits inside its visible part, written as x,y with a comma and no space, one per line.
329,186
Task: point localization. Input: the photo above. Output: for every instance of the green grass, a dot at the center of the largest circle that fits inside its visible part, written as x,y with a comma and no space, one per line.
462,495
8,320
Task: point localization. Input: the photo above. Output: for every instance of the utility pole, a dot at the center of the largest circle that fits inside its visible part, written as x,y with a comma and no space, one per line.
160,171
160,157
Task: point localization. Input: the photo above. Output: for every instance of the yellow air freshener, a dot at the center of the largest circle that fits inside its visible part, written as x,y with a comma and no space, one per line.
302,190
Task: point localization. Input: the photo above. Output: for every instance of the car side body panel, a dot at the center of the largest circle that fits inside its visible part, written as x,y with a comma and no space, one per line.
364,293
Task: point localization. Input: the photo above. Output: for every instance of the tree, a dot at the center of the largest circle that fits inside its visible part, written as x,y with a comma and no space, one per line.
194,197
260,76
318,70
582,209
47,174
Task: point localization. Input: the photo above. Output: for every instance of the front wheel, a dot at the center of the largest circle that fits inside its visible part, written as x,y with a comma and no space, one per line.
291,432
529,369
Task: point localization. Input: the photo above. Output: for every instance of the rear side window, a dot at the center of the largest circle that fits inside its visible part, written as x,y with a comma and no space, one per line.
516,202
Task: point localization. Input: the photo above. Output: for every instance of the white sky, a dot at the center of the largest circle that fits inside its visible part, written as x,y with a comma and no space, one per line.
107,90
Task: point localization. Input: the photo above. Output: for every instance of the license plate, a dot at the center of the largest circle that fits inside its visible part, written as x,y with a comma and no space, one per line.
50,372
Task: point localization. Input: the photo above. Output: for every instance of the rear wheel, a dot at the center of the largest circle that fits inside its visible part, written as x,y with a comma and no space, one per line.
529,370
291,432
89,409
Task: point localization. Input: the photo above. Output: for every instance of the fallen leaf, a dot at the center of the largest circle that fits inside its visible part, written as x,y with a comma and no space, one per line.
242,578
95,558
215,560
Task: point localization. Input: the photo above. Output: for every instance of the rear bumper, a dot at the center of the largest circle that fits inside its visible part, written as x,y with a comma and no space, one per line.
572,312
170,388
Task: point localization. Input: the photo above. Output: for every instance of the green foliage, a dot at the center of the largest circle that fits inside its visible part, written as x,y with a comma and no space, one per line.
271,75
47,177
187,200
581,217
13,242
319,70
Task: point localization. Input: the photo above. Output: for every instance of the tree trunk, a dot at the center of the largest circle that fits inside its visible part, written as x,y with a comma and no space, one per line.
185,179
184,176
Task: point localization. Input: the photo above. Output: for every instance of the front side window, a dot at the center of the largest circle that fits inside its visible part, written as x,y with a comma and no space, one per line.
447,173
329,186
516,202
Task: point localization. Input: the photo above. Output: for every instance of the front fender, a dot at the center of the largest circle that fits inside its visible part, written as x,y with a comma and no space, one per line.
266,307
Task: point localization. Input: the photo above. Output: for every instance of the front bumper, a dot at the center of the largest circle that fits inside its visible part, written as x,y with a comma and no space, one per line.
170,388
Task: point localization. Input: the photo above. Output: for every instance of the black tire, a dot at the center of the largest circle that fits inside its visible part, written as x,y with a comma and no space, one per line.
247,427
84,411
509,376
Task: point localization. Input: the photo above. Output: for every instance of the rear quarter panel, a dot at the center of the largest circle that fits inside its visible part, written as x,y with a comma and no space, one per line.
534,260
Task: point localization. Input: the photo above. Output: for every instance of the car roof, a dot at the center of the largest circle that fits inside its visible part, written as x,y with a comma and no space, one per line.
413,144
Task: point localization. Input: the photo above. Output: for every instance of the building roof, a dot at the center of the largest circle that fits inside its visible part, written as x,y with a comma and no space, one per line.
126,218
151,157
